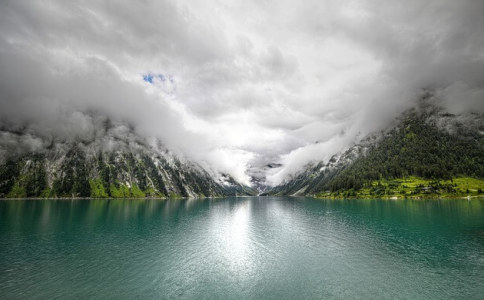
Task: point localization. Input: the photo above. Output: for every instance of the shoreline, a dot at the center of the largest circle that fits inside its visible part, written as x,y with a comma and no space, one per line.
460,197
457,197
129,198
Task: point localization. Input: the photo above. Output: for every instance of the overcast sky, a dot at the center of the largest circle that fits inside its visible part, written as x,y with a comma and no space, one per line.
236,85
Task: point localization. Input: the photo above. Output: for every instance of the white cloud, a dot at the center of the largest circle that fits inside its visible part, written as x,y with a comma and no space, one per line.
253,82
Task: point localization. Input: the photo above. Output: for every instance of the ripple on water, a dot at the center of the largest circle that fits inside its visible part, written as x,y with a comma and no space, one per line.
271,247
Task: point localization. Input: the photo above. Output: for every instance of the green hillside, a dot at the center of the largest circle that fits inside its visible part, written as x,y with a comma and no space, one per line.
416,148
83,172
420,157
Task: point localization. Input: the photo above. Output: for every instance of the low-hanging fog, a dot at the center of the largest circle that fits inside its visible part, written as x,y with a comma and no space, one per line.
236,85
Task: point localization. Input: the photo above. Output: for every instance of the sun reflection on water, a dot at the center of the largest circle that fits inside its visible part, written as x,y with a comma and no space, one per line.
232,233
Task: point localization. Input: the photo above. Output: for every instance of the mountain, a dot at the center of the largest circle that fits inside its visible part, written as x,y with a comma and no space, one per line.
112,162
427,151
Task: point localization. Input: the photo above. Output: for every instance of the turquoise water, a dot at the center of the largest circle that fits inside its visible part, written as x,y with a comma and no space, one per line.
268,247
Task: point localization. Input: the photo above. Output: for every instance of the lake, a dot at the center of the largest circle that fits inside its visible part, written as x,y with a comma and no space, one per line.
267,247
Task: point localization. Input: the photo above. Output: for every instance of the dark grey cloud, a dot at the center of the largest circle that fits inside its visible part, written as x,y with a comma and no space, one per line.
250,82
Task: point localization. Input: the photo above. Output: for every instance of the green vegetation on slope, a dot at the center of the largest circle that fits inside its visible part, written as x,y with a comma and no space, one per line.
116,174
415,148
413,187
418,158
74,177
97,188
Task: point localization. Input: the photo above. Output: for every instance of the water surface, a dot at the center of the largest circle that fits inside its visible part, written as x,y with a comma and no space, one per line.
268,247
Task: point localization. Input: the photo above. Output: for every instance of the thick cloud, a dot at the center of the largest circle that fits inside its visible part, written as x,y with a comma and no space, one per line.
236,85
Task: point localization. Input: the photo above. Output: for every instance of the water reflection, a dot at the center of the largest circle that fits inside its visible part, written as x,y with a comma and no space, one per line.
231,230
241,247
234,222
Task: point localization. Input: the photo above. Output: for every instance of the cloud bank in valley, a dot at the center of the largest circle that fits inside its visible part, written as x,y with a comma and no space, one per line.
241,84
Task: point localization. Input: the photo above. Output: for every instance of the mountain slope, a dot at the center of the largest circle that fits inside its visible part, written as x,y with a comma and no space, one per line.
426,143
108,165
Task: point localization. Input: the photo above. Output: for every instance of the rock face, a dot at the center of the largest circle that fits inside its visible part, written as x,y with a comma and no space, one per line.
111,164
426,142
112,160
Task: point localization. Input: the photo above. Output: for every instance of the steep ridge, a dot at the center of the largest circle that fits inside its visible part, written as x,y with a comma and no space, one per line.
116,163
423,153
